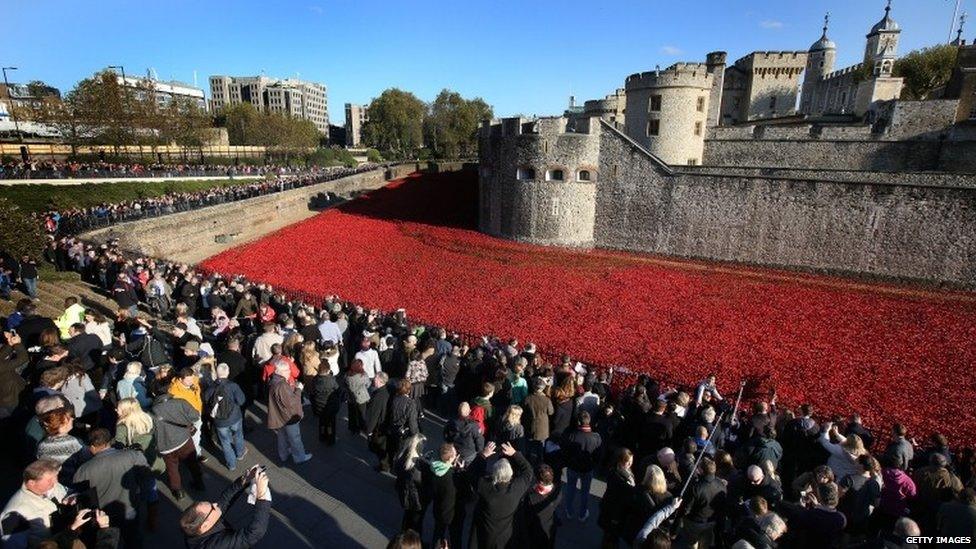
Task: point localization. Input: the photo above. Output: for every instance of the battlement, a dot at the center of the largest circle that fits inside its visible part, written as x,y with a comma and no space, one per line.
716,58
544,126
694,75
842,72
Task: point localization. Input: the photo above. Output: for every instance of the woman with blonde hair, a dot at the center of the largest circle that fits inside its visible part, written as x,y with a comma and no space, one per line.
409,482
651,496
310,362
511,430
135,430
292,346
843,453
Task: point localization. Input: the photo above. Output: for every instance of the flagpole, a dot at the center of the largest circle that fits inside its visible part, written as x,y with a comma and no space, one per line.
952,24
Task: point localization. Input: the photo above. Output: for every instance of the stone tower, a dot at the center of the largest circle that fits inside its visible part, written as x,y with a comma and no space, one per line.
882,45
715,63
820,61
538,180
667,111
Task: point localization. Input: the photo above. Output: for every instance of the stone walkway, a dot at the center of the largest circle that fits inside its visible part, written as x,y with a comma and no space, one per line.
335,500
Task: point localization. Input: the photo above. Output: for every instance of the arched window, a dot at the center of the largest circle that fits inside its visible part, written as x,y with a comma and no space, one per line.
526,174
554,175
583,175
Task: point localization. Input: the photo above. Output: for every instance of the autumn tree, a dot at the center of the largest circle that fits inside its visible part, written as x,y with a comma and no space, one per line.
451,128
396,123
925,70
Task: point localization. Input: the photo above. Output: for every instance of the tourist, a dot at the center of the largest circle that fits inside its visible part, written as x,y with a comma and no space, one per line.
326,399
133,385
538,409
463,433
175,421
448,488
284,414
403,419
540,522
121,480
580,450
510,428
409,471
224,399
357,382
815,521
958,518
377,420
704,504
900,451
370,358
860,493
26,519
498,495
59,446
203,525
186,386
844,454
617,498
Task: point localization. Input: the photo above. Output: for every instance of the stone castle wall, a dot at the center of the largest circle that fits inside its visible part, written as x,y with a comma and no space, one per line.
680,88
868,228
536,209
193,236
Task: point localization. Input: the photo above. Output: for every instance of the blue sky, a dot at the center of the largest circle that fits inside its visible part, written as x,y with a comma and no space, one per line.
521,56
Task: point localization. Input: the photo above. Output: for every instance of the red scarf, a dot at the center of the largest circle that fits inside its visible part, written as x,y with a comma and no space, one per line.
585,428
542,489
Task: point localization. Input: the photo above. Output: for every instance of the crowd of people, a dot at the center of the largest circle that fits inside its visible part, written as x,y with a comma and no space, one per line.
58,169
102,410
75,220
110,407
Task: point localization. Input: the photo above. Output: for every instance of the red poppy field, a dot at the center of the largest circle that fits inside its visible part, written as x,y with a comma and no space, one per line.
891,353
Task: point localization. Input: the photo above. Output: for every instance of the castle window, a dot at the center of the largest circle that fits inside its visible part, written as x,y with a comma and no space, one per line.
653,127
655,103
698,128
692,161
701,104
554,175
583,175
526,174
555,207
772,103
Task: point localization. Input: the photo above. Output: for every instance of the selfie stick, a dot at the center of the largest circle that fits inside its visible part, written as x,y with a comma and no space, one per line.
691,474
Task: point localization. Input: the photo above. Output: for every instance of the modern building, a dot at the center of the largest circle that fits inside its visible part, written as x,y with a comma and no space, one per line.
356,117
299,98
22,96
165,91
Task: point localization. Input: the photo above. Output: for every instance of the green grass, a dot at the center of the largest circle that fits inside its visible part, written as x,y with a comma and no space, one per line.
47,273
37,198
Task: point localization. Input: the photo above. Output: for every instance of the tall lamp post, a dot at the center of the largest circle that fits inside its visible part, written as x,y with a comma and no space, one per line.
13,116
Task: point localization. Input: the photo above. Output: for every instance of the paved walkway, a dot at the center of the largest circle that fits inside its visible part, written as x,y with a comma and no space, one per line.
335,500
83,181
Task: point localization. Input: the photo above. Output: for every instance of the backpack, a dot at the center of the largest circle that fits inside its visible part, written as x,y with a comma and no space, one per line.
220,405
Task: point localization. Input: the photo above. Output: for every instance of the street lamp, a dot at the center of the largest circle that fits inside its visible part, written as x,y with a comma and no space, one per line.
13,116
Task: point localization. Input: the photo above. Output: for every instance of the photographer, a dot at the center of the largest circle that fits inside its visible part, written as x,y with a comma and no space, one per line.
202,524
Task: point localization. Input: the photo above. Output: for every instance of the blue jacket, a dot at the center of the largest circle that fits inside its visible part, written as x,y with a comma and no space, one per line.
230,390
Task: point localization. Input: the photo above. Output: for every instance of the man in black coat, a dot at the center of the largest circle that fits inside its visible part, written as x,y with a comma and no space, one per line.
449,490
85,346
498,496
376,419
704,505
33,324
580,450
464,433
204,529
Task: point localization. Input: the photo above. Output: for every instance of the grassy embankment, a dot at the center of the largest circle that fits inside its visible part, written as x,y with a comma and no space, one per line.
37,198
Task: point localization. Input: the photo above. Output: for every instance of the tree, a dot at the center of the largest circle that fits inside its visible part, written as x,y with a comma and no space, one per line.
925,70
65,114
396,123
452,125
241,121
20,234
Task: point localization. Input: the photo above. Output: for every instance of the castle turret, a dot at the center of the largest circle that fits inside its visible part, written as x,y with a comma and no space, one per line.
820,61
715,64
882,45
667,111
538,179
